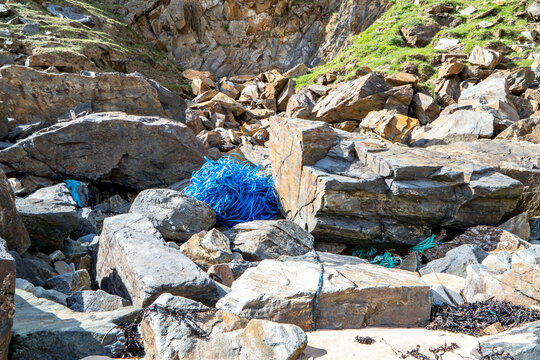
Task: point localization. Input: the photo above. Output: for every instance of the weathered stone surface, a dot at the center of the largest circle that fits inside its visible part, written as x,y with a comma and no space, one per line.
353,295
208,248
227,336
62,333
520,161
344,187
40,292
112,148
12,228
50,215
425,108
448,69
92,301
31,95
301,105
390,125
535,228
33,269
519,226
7,291
176,216
401,79
488,238
522,343
221,273
523,130
269,239
70,282
485,58
456,261
462,125
520,285
353,100
448,91
71,13
134,262
421,35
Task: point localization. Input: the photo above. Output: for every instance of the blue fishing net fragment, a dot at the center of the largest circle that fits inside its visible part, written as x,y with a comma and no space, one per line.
235,190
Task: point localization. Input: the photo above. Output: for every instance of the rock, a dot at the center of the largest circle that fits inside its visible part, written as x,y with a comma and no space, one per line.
64,334
7,291
50,294
209,248
493,262
520,161
64,61
334,248
444,44
69,12
520,285
347,188
445,288
448,69
47,96
287,92
401,79
488,238
411,262
468,10
352,100
519,226
301,105
535,228
521,343
486,92
95,301
390,125
12,228
176,216
448,91
238,267
462,125
298,70
421,35
518,80
456,261
31,29
70,282
173,154
33,269
523,130
127,265
48,218
283,291
221,273
533,11
221,335
425,108
485,58
269,239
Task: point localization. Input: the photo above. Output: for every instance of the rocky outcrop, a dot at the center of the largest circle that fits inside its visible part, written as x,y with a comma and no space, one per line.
345,187
176,216
133,151
12,228
95,301
64,334
240,37
269,239
30,95
523,130
212,334
353,294
134,262
7,290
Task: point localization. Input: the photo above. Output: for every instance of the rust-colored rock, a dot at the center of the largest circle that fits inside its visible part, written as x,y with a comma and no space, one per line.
390,125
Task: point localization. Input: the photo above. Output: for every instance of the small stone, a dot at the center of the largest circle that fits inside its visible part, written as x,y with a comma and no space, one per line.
485,58
493,329
519,226
448,69
92,301
221,273
31,29
70,282
62,267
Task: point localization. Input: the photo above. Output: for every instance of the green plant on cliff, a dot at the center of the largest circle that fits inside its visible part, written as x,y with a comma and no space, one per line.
383,45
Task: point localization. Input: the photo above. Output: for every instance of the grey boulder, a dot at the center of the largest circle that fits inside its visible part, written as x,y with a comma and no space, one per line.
176,216
92,301
456,261
12,228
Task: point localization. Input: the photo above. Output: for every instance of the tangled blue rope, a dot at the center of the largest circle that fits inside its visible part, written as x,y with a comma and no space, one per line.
72,186
425,244
235,190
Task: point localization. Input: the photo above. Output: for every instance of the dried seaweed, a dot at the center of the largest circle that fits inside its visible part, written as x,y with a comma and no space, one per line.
134,346
472,318
366,340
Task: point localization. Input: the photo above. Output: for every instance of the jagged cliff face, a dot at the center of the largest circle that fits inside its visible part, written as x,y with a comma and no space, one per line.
249,36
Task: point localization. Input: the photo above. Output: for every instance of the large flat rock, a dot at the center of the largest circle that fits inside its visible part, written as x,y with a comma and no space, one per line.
353,294
133,151
348,188
45,330
134,262
31,95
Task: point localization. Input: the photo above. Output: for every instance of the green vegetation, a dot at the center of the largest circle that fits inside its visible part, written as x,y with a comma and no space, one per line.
110,35
382,43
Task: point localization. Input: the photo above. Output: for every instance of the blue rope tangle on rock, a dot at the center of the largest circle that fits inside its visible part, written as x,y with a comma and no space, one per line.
235,190
72,186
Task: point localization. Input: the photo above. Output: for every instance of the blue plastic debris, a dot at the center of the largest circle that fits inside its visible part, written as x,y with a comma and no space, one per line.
72,186
235,190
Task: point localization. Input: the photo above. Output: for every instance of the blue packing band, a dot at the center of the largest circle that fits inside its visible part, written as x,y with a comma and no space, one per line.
72,186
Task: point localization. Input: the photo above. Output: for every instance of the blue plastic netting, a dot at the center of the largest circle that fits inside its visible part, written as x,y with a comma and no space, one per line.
235,190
